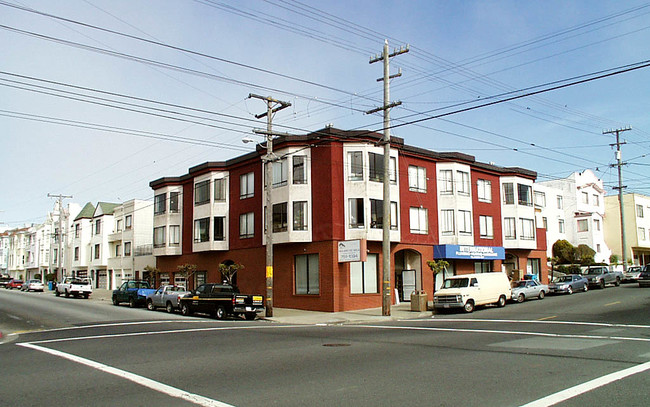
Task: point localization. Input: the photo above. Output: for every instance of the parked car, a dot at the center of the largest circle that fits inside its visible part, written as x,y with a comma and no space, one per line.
569,284
14,283
33,285
75,286
134,292
632,274
526,289
220,300
644,277
166,296
4,280
600,276
467,291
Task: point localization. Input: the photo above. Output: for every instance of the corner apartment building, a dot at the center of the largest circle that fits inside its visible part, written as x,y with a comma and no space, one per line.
327,189
636,209
573,209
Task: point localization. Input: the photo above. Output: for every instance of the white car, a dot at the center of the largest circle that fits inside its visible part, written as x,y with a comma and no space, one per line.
33,285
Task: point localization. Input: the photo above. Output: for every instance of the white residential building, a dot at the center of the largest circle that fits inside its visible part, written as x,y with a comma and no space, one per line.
637,227
573,209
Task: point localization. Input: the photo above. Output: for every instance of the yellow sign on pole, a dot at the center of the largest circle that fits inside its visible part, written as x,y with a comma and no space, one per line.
269,271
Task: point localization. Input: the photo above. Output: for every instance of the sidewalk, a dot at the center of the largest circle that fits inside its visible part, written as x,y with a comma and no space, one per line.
301,317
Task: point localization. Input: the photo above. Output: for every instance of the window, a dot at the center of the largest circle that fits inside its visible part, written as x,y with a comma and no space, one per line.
560,225
463,186
446,182
376,213
174,235
392,170
118,250
597,224
246,225
280,173
465,222
306,269
76,254
77,230
524,193
545,222
486,227
356,213
508,193
417,179
418,220
583,225
540,199
128,222
641,233
98,227
585,198
299,172
159,204
127,248
509,228
393,215
220,190
159,236
560,202
355,159
280,217
639,211
118,225
96,252
533,266
376,166
300,215
200,277
363,276
164,278
219,231
596,200
482,267
527,229
246,185
173,201
202,192
447,220
598,247
201,230
484,191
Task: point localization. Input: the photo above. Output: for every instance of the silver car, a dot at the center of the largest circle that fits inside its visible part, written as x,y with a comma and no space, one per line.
526,289
632,274
33,285
569,284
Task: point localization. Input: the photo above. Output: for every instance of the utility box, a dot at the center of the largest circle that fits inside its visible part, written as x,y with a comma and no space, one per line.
418,301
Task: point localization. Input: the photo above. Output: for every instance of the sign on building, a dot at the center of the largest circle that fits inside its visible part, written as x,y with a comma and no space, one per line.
352,250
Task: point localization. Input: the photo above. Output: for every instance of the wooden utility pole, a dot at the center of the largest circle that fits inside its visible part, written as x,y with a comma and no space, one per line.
385,270
620,188
272,106
59,201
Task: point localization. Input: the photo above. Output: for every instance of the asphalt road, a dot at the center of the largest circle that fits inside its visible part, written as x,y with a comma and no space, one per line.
594,346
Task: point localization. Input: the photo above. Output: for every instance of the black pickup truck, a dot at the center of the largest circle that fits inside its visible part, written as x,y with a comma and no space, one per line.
220,300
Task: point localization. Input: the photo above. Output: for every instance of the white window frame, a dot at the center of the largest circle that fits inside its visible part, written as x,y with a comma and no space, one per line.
486,227
364,275
509,228
419,220
464,222
527,228
247,185
247,225
447,222
355,165
446,182
417,179
484,190
583,225
463,182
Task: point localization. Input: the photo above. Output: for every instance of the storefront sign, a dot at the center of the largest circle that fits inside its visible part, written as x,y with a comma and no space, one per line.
454,251
352,250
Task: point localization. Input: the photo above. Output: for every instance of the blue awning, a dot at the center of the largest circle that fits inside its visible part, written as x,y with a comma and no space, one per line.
454,251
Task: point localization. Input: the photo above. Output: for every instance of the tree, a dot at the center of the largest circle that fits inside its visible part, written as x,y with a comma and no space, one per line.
613,259
228,271
585,254
153,273
186,270
437,266
564,252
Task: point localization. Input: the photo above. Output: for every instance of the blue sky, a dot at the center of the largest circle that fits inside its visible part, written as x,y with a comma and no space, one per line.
461,52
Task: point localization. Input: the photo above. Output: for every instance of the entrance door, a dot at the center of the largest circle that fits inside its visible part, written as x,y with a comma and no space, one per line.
408,284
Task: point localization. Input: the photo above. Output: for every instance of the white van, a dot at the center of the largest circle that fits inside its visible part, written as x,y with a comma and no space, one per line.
469,290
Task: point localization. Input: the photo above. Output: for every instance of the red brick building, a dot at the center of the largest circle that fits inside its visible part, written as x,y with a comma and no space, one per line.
327,188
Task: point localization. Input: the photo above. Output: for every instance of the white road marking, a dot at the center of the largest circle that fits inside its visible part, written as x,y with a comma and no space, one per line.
141,380
528,321
493,331
574,391
71,328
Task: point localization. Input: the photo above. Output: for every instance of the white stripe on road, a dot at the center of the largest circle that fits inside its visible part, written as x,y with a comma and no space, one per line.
141,380
574,391
70,328
527,321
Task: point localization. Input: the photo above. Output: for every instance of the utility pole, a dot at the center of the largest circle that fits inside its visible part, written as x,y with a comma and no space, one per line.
385,248
272,106
620,187
59,201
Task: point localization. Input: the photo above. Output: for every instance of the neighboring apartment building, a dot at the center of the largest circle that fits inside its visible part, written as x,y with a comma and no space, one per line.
130,244
573,209
4,252
636,213
327,189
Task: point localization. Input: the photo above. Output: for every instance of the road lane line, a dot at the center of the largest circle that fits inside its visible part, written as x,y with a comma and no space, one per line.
141,380
70,328
546,318
574,391
612,303
529,321
493,331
